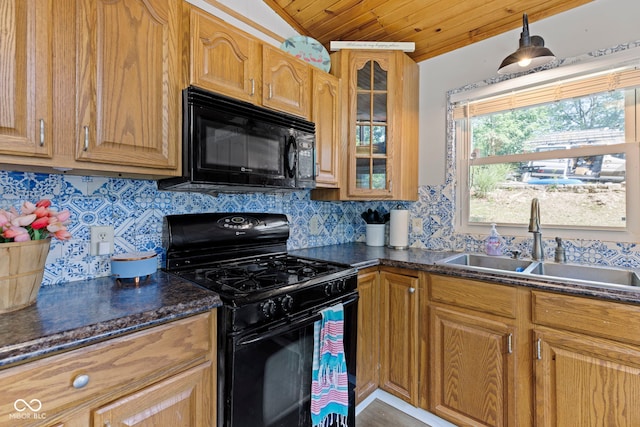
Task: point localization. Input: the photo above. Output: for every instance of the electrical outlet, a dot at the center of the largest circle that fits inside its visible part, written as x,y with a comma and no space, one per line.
102,240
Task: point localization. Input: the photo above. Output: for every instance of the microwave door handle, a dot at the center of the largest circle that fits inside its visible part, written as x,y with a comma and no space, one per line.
290,157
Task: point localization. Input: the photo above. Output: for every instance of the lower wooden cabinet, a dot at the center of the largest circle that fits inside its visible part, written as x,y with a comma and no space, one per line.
388,333
164,375
584,381
478,353
587,361
485,354
182,400
399,335
473,371
368,353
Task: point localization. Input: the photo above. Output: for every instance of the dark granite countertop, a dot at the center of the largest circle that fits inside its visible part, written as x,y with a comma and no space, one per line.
80,313
361,256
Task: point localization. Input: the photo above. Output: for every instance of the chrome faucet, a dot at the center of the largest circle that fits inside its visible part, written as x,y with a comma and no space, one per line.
534,227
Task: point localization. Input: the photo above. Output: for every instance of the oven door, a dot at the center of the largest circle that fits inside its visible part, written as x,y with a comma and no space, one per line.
269,373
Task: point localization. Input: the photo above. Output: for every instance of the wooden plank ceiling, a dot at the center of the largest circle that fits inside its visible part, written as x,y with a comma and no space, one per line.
436,26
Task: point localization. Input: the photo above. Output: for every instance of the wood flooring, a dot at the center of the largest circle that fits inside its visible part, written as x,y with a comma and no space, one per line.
380,414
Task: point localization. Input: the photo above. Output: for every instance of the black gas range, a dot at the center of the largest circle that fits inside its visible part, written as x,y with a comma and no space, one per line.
271,300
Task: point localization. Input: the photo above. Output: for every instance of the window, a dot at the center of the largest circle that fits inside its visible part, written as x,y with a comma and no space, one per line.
572,143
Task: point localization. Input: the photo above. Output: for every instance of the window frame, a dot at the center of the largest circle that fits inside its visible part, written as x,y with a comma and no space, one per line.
592,69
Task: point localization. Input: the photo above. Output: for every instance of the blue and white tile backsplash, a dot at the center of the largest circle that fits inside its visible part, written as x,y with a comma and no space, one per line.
135,209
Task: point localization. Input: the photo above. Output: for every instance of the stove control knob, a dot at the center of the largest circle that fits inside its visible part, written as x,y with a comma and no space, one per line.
287,303
268,308
328,289
342,285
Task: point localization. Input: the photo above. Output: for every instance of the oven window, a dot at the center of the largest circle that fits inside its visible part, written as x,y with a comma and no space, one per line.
272,380
235,143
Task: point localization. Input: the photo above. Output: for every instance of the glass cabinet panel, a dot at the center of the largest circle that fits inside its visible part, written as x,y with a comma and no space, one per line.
371,127
379,140
363,140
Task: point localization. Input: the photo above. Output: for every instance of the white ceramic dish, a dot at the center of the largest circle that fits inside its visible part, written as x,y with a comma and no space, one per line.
309,50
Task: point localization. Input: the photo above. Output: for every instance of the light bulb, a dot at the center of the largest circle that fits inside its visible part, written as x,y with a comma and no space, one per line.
524,62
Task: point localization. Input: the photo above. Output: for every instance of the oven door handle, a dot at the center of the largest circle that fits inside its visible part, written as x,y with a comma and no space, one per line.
301,321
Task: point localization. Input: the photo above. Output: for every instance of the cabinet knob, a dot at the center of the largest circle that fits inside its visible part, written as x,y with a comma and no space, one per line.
80,381
412,290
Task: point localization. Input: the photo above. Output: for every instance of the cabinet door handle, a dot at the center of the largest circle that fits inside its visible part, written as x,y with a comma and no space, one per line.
270,91
80,381
412,290
539,349
41,132
253,87
86,138
510,343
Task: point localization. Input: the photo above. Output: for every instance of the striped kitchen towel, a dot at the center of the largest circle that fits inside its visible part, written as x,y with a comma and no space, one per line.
329,382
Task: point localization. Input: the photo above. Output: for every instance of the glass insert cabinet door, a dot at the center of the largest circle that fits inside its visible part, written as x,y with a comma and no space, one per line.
370,150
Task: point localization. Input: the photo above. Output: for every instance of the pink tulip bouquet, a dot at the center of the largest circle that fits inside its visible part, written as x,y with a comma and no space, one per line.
33,222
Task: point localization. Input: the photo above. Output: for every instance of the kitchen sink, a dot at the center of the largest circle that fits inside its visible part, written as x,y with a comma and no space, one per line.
486,263
611,277
604,277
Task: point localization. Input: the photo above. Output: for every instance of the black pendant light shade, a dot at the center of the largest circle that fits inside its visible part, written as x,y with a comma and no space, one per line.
530,54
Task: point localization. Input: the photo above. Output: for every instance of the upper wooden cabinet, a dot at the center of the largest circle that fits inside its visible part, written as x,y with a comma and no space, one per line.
224,59
326,113
128,82
381,152
286,82
26,78
231,62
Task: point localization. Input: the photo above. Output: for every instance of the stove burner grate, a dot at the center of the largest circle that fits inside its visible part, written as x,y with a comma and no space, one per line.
260,274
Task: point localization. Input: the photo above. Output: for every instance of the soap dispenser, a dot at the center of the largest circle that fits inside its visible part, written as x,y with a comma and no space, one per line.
561,255
493,242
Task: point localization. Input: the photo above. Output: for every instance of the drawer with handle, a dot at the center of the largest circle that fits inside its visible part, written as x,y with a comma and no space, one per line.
47,387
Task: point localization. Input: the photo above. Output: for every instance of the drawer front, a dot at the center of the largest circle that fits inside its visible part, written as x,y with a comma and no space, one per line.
475,295
125,362
605,319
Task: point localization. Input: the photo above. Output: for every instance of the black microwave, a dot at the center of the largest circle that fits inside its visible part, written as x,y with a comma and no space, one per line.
231,145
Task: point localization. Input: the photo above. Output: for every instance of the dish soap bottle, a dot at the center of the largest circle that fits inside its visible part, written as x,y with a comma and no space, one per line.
494,242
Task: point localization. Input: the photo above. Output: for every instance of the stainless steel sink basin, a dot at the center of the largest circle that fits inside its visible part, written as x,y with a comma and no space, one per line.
486,263
601,276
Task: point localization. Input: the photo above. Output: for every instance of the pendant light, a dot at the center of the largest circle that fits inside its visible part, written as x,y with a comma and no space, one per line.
530,54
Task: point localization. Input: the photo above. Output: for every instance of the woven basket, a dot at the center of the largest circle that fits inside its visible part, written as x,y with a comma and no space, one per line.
21,270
